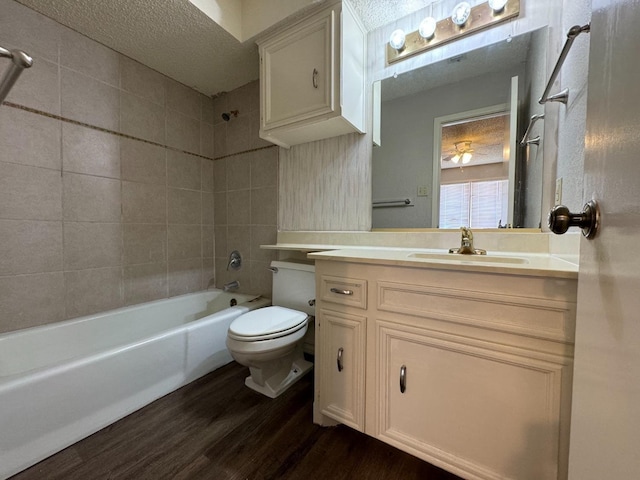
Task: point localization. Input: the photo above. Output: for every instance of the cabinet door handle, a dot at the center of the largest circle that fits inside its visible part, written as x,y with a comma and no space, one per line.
339,359
403,378
314,78
342,292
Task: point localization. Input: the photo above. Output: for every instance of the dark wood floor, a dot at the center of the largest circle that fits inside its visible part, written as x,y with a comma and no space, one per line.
216,428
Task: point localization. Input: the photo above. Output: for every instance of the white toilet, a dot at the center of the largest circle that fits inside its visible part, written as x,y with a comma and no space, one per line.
269,340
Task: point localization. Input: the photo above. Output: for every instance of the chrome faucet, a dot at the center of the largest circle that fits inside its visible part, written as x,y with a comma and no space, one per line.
231,286
466,244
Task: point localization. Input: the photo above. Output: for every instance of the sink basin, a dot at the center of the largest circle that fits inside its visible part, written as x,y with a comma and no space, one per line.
469,258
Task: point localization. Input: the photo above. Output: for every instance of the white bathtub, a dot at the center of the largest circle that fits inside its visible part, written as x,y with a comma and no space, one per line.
62,382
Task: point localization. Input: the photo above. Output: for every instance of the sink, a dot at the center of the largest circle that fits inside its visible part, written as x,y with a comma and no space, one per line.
469,258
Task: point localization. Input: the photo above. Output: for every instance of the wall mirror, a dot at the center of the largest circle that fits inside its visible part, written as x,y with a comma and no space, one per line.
449,152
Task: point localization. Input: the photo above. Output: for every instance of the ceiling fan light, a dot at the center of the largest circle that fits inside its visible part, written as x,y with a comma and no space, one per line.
466,158
455,158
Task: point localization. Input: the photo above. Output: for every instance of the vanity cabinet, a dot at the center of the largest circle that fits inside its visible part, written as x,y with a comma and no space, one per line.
312,78
469,371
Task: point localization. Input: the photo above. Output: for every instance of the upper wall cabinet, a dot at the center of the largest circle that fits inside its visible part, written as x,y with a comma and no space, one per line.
312,78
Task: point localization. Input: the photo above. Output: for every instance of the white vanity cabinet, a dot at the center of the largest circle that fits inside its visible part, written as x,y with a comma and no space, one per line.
341,329
312,78
469,371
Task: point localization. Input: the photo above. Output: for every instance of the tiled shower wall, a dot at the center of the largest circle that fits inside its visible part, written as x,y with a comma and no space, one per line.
106,179
246,191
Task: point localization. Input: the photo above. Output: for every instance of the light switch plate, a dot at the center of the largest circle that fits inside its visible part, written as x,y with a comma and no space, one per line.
423,191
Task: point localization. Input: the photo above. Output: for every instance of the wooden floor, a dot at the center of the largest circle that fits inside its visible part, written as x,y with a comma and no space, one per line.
216,428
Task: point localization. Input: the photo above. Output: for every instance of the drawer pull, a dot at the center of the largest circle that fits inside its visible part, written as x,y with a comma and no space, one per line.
339,359
314,78
403,378
342,292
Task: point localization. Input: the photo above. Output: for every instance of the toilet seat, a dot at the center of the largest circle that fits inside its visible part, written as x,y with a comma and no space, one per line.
267,323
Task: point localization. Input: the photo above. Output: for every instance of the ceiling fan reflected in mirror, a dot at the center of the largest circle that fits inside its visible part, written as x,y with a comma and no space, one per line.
462,153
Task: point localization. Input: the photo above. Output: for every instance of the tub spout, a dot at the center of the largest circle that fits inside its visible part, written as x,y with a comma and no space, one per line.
231,286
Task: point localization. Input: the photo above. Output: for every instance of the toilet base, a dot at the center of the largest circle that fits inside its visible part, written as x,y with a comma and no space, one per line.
273,389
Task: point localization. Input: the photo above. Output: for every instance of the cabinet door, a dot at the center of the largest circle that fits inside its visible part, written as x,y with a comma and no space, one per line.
476,412
297,71
342,367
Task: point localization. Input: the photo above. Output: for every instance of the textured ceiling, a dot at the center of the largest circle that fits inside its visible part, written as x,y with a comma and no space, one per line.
175,38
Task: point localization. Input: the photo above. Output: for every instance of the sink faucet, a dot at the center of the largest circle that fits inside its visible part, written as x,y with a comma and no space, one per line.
466,244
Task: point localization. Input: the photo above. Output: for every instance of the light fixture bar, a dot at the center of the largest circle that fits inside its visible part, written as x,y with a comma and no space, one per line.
482,16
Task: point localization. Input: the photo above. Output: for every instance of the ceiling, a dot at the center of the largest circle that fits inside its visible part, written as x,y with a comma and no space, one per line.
177,39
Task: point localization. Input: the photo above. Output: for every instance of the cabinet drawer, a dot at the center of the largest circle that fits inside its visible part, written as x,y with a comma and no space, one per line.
351,292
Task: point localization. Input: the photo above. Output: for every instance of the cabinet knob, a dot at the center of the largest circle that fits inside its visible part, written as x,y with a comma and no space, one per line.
403,378
560,219
339,359
314,78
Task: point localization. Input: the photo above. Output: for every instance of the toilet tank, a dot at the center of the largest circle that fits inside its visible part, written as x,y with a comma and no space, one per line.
294,285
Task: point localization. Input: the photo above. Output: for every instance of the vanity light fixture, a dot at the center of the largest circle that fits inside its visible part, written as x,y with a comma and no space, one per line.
461,13
464,20
427,28
397,40
497,5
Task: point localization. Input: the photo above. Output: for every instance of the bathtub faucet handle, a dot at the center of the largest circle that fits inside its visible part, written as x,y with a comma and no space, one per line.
312,302
235,261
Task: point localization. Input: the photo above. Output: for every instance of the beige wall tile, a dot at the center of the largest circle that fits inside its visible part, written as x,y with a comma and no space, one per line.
89,151
244,98
183,132
90,199
143,203
208,273
183,99
143,162
208,212
185,276
264,168
30,31
185,241
92,245
144,283
207,241
144,243
142,118
220,208
263,235
29,139
31,300
264,206
220,175
207,110
207,147
92,291
238,134
239,172
88,100
261,278
220,106
141,80
30,247
220,241
219,140
38,87
239,238
184,206
239,207
30,193
206,175
89,57
183,170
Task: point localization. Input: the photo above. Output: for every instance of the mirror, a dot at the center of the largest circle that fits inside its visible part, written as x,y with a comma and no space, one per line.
476,104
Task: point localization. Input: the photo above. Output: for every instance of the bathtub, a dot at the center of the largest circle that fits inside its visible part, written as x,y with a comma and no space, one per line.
60,383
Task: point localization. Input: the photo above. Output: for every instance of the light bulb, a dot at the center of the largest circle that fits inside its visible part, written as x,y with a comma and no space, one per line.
466,158
455,158
397,39
497,5
461,13
427,28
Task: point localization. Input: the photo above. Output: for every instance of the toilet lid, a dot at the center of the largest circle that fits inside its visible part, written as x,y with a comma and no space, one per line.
267,321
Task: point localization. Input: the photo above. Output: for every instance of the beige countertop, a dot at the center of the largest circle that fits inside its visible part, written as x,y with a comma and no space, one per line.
509,263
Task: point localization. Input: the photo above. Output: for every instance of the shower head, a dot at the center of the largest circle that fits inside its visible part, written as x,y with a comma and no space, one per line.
227,116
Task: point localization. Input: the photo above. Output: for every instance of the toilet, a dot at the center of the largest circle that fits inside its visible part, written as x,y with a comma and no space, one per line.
269,340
